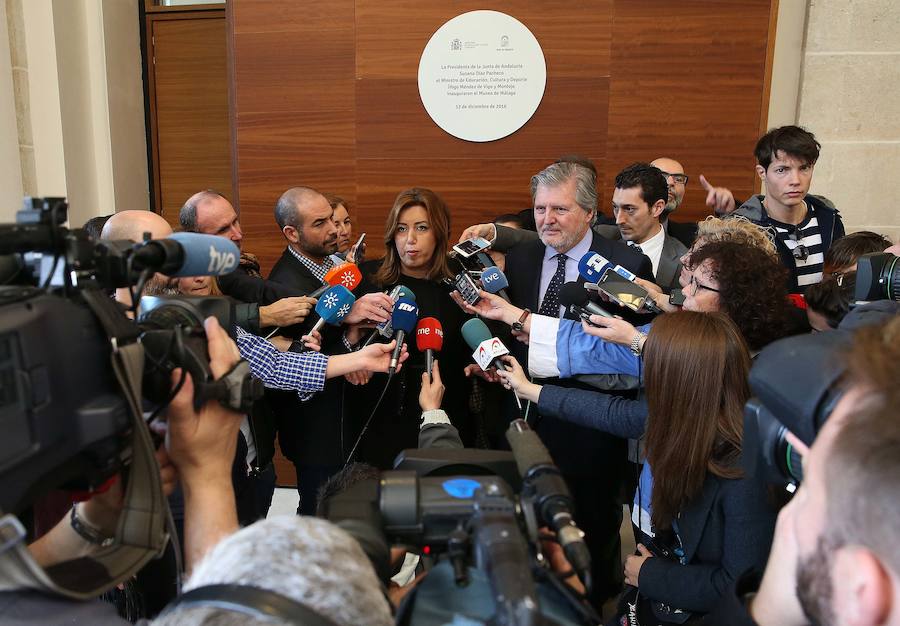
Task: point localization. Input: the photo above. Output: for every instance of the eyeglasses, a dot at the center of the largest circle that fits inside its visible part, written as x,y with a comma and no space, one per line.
800,252
678,178
696,284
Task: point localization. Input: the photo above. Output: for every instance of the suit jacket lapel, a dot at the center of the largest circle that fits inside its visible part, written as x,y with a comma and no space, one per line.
537,264
669,262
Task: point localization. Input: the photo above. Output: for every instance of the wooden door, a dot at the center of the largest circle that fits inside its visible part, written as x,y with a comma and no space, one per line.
188,85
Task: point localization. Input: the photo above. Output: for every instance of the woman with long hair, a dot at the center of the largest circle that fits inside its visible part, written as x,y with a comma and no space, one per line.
700,522
416,241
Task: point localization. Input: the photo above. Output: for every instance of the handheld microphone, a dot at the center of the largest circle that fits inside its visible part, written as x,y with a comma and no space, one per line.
384,328
345,274
333,306
487,349
187,254
576,298
592,265
494,281
429,339
403,321
542,481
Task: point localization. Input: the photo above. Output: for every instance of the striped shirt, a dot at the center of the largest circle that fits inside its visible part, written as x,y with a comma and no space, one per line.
807,237
303,372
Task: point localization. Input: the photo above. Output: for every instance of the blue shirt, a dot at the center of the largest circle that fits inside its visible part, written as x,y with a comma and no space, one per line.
577,352
550,264
303,372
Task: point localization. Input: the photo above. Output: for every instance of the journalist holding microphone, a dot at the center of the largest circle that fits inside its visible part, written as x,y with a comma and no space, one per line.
699,521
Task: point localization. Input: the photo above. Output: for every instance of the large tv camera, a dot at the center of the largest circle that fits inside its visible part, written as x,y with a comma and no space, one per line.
79,376
878,277
480,511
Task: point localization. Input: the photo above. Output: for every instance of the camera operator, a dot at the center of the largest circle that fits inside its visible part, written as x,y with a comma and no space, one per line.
201,445
834,559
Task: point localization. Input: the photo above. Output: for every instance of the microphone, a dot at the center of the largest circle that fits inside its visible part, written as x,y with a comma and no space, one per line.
187,254
345,274
384,328
494,281
576,298
429,339
333,306
403,321
592,265
542,481
487,349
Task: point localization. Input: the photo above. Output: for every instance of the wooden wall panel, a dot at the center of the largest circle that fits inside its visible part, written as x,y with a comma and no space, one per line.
188,98
690,87
325,94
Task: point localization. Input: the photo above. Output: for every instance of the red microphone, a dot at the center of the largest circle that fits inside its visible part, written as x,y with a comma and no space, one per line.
429,339
346,274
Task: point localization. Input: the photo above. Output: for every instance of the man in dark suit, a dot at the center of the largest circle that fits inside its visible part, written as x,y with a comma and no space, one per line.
593,463
638,204
314,434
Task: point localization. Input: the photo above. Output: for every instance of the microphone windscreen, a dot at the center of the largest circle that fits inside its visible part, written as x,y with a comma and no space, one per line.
474,332
404,316
346,274
405,292
573,293
334,304
429,334
528,449
493,280
592,265
205,255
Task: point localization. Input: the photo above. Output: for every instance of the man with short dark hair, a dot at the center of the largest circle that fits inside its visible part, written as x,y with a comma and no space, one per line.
805,225
315,441
638,204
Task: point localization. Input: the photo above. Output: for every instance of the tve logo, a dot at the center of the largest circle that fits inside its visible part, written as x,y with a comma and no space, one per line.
405,306
221,262
489,278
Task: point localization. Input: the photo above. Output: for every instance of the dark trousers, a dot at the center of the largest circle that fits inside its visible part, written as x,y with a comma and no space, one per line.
253,494
309,479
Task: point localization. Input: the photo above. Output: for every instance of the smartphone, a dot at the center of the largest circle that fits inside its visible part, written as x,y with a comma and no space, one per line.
471,247
357,252
676,297
628,294
466,287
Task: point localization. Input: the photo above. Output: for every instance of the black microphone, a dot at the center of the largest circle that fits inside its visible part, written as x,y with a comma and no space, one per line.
576,298
542,481
403,320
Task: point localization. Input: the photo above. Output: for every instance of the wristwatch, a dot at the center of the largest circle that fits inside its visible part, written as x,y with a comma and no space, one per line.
636,347
88,532
519,324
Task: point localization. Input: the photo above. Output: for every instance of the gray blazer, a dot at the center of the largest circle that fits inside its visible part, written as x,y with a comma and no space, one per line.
669,261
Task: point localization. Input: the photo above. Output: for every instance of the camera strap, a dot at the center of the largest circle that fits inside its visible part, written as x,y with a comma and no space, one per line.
141,531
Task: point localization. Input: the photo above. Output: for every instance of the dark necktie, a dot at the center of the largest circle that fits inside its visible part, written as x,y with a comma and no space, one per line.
550,304
636,247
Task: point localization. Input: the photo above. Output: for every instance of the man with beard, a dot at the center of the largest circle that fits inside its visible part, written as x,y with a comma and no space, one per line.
834,559
314,440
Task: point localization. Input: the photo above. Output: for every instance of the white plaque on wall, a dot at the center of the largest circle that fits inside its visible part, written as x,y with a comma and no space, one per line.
482,76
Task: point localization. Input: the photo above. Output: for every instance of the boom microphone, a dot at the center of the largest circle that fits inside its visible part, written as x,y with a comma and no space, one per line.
576,298
403,321
187,254
487,349
345,274
429,339
542,481
494,281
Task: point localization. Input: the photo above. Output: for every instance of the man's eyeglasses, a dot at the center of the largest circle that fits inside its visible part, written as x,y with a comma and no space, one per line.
800,252
696,284
678,178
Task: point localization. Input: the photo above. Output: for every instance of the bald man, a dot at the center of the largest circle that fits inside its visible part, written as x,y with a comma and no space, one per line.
131,225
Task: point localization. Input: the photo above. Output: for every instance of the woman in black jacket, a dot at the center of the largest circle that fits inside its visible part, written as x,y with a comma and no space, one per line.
700,522
416,241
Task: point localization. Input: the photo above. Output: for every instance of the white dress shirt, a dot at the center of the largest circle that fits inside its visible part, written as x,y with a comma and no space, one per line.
653,247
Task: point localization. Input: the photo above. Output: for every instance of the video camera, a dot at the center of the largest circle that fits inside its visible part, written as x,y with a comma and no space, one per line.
78,374
477,509
878,277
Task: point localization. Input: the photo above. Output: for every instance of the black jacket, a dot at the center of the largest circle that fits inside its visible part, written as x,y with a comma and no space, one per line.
244,287
310,432
685,232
